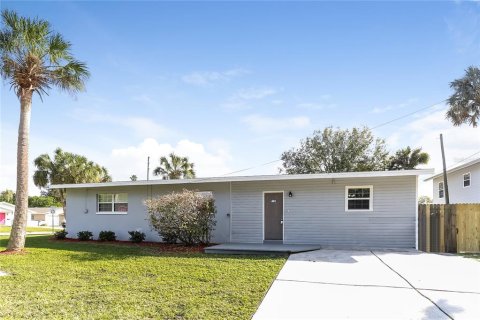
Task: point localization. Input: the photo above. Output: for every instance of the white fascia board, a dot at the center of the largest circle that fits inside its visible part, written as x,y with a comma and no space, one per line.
463,166
340,175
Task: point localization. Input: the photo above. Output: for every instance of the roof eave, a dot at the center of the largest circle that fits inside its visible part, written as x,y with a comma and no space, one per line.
364,174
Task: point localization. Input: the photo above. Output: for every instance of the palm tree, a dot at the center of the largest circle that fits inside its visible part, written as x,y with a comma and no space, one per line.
174,167
465,101
66,167
406,158
34,58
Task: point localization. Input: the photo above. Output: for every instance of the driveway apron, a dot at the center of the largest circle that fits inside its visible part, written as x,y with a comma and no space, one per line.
325,284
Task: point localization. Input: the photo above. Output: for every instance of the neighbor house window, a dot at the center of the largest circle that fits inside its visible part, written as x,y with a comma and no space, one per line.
112,203
466,180
359,198
440,190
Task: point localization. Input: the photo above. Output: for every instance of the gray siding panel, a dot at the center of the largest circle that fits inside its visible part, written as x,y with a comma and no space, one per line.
316,212
78,200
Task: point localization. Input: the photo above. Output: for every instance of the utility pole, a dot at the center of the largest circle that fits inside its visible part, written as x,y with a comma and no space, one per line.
445,180
148,168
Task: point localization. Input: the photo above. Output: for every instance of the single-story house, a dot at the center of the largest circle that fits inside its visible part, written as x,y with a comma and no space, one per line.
352,209
463,184
7,211
45,217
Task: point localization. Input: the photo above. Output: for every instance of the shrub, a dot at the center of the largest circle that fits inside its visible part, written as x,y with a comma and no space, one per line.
107,236
60,235
136,236
186,216
85,235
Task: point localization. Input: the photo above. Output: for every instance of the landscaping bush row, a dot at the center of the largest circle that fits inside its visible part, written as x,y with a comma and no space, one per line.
105,235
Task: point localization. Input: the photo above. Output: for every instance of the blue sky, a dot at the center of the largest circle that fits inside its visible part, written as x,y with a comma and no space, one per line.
234,84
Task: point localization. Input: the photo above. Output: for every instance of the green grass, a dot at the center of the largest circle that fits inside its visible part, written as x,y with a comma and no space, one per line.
29,229
71,280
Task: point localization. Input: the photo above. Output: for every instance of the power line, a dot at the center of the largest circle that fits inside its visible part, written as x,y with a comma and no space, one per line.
261,165
408,114
375,127
472,155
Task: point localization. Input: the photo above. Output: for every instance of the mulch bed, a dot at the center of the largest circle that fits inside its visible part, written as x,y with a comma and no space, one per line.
158,246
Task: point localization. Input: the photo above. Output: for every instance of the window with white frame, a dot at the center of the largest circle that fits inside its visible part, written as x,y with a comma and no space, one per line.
359,198
112,203
441,191
466,180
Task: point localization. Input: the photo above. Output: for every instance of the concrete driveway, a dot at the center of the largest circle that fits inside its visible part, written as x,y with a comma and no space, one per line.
327,284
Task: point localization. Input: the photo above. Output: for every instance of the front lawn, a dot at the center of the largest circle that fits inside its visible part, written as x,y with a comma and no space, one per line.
29,229
66,280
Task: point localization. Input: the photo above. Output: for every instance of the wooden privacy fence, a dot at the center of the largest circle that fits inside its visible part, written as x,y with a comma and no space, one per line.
449,228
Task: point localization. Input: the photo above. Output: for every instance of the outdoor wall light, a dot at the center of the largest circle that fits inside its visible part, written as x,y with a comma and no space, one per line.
290,194
85,211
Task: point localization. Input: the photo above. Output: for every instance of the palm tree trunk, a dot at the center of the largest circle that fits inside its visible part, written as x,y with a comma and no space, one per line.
19,227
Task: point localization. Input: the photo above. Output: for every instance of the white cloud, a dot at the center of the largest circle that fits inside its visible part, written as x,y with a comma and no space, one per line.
316,106
207,78
398,106
213,162
323,103
142,127
144,99
242,98
254,93
260,123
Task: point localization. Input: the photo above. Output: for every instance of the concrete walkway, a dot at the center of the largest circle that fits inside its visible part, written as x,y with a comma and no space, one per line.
260,248
374,285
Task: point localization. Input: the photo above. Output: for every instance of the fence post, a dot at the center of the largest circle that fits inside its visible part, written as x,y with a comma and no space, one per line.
442,229
427,228
450,229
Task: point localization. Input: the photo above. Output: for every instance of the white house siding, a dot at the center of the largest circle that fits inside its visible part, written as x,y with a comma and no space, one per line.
457,193
80,201
316,212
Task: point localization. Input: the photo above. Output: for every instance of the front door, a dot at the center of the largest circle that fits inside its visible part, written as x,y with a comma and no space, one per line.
273,211
2,217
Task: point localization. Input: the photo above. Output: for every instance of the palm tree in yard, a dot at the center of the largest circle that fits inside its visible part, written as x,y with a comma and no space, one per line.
66,167
465,101
34,58
175,167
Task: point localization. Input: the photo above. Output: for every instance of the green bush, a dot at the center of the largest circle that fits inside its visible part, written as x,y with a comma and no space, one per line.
107,235
187,217
60,235
85,235
136,236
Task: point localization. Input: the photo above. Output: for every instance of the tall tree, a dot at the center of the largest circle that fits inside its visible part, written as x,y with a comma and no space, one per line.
337,150
175,167
465,101
66,167
34,58
407,158
7,196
